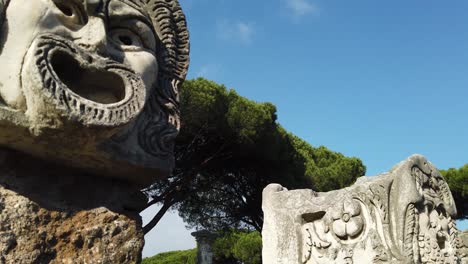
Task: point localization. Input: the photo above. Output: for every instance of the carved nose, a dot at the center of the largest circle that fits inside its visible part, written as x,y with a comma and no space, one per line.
93,36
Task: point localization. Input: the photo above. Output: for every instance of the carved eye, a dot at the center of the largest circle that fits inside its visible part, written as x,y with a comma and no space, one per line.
132,35
73,12
125,38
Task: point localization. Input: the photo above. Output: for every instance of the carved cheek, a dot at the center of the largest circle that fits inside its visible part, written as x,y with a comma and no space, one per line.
144,64
24,18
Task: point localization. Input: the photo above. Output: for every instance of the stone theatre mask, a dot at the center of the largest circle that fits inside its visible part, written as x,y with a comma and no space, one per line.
93,83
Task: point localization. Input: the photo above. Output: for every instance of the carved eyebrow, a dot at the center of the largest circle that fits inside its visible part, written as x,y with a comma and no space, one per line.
131,12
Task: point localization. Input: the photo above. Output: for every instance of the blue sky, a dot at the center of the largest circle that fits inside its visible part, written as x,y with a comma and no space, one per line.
379,80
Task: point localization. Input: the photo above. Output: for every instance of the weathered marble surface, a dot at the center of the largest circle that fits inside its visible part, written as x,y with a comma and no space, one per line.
51,214
97,80
403,216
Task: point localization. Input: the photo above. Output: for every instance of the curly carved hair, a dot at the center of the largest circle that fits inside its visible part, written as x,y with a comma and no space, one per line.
160,121
162,110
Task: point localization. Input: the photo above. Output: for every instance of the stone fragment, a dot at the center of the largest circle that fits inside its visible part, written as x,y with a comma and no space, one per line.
403,216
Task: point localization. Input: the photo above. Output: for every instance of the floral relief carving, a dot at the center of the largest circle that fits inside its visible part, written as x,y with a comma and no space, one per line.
403,216
347,219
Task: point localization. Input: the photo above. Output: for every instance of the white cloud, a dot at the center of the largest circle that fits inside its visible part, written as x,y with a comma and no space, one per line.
210,71
245,32
301,8
203,71
242,32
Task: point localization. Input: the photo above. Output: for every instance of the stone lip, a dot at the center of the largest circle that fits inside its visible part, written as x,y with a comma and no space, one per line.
53,185
403,216
75,147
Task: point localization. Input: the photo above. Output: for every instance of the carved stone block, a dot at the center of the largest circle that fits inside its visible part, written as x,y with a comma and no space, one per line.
403,216
94,83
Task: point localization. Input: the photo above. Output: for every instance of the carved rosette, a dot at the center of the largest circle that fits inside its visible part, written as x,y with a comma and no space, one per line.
347,220
334,235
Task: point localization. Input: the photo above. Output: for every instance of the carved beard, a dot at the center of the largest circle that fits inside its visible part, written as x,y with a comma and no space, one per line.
159,123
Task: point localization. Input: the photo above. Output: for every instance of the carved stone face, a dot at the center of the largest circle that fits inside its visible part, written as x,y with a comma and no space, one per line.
94,61
95,79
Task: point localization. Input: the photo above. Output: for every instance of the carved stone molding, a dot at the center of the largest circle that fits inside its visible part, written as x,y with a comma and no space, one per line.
403,216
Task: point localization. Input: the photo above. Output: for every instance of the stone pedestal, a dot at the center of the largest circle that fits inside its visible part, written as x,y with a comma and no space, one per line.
54,214
205,241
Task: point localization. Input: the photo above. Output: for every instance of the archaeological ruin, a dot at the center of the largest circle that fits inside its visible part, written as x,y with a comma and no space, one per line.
403,216
89,112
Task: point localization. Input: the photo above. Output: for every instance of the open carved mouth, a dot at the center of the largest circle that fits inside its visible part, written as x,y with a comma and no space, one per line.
83,86
91,83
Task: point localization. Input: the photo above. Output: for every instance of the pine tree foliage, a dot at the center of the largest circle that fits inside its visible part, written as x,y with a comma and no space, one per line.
457,180
228,150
